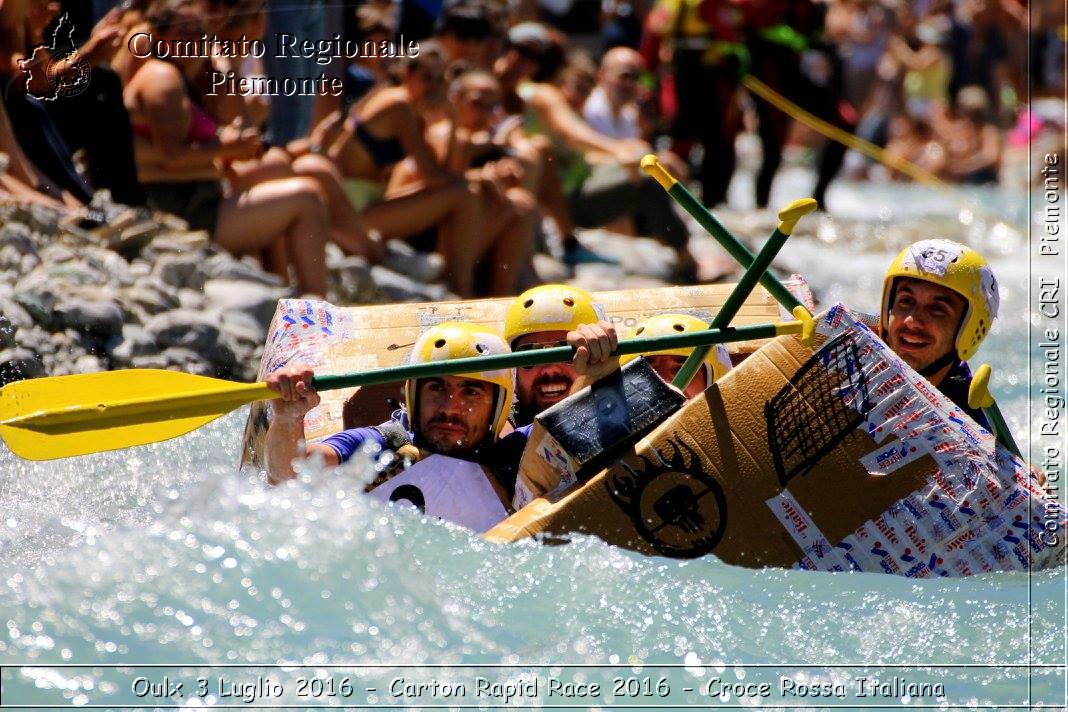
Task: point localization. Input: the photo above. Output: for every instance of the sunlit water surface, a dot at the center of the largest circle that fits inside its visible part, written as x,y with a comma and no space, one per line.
168,554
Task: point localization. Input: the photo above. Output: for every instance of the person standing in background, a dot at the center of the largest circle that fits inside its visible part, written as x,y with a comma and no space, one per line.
291,116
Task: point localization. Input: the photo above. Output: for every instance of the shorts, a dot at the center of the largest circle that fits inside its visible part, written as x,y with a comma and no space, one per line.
196,202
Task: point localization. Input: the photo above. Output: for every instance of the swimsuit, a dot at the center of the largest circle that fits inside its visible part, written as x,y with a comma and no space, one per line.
202,127
384,151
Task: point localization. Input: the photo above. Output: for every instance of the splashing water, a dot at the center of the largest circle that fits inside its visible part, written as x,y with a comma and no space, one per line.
168,555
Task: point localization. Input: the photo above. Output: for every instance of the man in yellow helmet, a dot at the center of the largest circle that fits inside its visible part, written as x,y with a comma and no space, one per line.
940,299
461,417
555,315
667,363
458,416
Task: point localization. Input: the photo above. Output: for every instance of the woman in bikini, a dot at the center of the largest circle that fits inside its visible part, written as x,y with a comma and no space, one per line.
182,155
385,126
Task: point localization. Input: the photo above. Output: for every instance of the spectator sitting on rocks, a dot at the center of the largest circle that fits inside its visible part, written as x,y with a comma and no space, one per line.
600,175
347,229
612,107
92,119
464,145
467,31
48,165
911,139
385,127
972,143
178,144
20,180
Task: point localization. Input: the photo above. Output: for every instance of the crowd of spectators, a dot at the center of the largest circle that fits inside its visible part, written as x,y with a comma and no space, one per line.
513,125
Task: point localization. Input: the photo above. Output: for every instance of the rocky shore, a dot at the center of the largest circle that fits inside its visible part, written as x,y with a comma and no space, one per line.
143,291
139,290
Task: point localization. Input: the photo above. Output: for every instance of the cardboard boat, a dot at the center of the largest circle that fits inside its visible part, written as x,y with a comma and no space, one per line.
831,457
836,457
335,339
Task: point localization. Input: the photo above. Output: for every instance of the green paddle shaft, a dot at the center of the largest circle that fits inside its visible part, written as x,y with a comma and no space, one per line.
556,354
730,307
1001,429
979,396
715,228
788,218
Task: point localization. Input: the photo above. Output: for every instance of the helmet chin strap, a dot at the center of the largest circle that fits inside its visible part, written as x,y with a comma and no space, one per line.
939,363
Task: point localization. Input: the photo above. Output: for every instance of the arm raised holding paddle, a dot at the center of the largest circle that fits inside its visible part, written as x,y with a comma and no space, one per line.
285,436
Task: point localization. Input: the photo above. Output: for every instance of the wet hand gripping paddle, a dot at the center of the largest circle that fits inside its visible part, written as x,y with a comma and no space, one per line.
64,416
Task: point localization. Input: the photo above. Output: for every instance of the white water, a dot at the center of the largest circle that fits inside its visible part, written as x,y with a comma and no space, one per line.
167,554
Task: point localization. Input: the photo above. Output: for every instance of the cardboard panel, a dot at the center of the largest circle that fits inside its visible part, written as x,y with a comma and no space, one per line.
336,339
835,457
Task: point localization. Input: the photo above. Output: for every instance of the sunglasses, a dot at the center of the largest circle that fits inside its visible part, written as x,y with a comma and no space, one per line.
536,346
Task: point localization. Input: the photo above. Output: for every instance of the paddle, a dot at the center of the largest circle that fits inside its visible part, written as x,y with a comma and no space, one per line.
63,416
788,218
652,166
979,396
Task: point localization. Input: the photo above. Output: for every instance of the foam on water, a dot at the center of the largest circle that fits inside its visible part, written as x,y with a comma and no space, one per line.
168,554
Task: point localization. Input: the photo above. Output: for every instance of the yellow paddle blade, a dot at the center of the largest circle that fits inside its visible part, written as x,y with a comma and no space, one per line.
48,418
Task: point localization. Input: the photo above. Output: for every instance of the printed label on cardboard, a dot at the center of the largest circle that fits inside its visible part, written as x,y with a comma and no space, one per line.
891,457
805,533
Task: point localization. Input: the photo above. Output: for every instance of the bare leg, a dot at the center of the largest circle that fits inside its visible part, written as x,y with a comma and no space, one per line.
347,227
461,241
514,246
453,208
551,196
289,209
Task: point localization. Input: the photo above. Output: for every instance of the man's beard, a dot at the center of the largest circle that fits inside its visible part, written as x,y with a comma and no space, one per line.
532,403
446,444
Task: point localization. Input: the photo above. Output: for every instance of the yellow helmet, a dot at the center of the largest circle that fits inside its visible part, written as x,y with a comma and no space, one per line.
717,361
550,307
955,267
452,340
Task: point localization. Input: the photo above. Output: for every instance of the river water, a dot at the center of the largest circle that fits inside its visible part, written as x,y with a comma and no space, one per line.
124,576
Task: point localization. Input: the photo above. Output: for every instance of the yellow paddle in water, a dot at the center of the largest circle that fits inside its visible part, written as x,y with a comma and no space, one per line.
63,416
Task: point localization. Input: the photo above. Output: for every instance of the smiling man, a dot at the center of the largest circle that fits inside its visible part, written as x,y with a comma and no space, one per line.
940,299
552,315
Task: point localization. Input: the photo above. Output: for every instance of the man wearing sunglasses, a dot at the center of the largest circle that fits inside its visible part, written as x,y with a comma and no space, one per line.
558,315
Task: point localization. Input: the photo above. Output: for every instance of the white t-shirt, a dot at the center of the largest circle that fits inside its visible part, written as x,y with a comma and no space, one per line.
598,114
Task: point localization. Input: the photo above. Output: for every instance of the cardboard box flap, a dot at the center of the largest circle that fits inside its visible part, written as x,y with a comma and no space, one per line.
833,458
335,339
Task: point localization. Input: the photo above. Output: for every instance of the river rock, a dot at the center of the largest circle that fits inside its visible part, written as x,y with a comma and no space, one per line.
101,318
256,299
399,288
178,359
174,242
184,328
151,301
19,236
88,364
420,266
35,339
109,263
223,266
134,341
7,332
180,270
14,312
18,363
351,281
140,268
38,303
